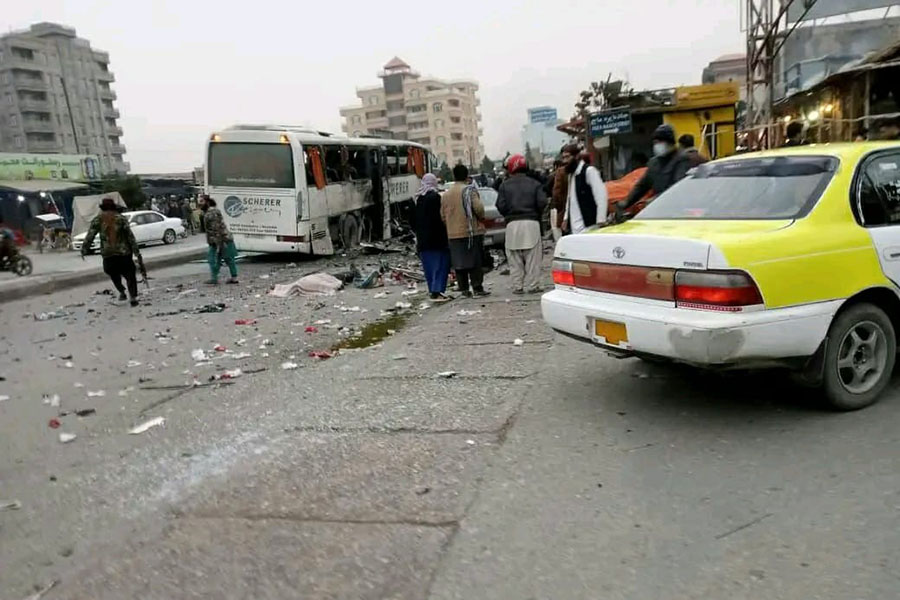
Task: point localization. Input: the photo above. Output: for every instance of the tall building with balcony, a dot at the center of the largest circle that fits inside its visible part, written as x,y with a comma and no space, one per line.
56,97
442,114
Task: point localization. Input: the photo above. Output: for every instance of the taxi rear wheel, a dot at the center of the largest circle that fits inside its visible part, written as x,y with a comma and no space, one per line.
859,360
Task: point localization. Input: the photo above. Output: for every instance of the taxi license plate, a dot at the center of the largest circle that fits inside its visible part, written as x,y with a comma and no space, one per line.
610,332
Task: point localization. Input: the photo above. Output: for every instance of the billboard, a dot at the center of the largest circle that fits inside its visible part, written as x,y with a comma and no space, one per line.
63,167
819,9
542,114
611,122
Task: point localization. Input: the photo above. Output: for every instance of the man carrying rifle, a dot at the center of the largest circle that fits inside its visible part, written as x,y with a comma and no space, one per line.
117,244
220,240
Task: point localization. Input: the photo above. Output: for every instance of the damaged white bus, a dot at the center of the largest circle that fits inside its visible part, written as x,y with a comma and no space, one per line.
292,189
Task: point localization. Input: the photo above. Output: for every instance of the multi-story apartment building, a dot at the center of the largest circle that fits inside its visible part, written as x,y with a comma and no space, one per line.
438,113
55,96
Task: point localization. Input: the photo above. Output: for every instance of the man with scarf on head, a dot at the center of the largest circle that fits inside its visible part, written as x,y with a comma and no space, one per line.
117,245
668,166
431,238
521,201
587,201
463,212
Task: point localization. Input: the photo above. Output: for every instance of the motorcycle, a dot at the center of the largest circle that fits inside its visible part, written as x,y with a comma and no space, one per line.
17,263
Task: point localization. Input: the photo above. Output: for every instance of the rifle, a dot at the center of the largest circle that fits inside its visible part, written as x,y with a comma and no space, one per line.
143,270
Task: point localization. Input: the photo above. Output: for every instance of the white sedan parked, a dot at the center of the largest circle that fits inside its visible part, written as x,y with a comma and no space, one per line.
148,226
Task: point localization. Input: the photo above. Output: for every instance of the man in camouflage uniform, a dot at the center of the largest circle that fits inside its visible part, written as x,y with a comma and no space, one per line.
117,244
220,240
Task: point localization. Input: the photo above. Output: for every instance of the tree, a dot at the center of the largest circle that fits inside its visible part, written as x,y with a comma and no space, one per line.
129,186
445,172
487,165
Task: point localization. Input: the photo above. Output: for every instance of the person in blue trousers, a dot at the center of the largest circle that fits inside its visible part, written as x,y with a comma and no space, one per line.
221,242
431,238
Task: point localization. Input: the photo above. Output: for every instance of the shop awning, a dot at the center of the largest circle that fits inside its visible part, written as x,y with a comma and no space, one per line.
40,185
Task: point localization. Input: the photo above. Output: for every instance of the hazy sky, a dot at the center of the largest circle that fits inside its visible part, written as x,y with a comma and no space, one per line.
186,68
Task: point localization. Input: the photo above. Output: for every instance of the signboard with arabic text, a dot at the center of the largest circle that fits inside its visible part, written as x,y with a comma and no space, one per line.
62,167
611,122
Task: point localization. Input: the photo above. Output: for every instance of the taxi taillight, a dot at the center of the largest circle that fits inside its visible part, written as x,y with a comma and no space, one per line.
563,273
716,290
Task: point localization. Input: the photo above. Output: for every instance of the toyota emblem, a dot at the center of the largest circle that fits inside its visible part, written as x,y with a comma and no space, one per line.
619,252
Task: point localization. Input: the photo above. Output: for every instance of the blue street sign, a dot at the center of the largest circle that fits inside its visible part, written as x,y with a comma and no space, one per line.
611,122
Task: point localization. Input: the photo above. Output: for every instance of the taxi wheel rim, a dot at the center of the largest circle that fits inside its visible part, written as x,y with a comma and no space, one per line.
862,357
170,236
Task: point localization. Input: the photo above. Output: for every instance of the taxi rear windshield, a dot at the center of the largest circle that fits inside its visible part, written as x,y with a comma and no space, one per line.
782,187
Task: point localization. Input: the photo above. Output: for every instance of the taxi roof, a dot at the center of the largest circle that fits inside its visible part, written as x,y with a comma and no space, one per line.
842,150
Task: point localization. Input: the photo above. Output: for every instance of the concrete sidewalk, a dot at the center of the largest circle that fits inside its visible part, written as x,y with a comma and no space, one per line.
61,270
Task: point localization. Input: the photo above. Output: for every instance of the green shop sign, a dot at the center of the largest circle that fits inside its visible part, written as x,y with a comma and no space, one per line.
72,167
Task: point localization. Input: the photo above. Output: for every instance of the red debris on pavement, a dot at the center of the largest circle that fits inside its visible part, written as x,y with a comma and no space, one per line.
54,424
321,354
312,329
245,322
220,348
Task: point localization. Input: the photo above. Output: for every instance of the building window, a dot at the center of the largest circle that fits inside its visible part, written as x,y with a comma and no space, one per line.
414,93
456,137
356,120
439,123
19,141
456,120
440,141
454,103
373,100
437,107
415,108
9,98
395,105
13,121
376,114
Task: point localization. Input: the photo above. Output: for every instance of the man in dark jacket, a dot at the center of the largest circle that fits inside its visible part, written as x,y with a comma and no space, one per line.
686,144
667,167
521,201
794,135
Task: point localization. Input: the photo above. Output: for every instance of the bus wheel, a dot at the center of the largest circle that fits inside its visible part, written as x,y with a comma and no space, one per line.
350,231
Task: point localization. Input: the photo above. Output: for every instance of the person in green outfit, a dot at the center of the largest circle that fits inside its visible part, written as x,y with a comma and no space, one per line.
220,240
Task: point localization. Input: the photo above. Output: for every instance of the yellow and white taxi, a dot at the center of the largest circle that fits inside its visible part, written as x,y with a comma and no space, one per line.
789,257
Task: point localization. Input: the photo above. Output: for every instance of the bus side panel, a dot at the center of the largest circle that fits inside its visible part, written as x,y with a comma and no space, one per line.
402,187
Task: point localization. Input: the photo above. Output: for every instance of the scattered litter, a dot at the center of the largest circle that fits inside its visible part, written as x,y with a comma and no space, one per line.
372,280
147,425
4,398
241,355
186,293
530,322
86,412
220,348
266,276
53,314
321,354
10,505
317,284
391,331
467,313
54,423
231,374
398,357
199,355
289,366
323,322
403,305
133,363
312,329
79,385
414,291
470,442
65,438
447,374
97,394
123,393
53,400
518,342
349,308
210,308
69,364
408,274
422,491
380,295
40,593
424,306
245,322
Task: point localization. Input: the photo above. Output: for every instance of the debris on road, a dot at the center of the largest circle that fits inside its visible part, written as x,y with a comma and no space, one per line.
317,284
518,342
467,313
97,394
245,322
220,348
199,355
289,366
54,424
155,422
380,295
403,305
321,354
230,374
53,400
312,329
4,398
69,364
323,322
53,314
372,280
10,505
210,308
240,355
447,374
65,438
398,357
41,592
86,412
133,363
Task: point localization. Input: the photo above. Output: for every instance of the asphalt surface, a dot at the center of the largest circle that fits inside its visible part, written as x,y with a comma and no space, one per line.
544,470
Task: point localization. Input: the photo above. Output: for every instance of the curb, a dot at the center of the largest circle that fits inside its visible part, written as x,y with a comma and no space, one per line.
47,284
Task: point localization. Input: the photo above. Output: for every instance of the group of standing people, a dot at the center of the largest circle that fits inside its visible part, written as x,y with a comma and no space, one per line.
119,248
450,233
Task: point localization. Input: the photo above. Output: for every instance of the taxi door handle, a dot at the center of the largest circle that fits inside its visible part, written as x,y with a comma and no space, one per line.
892,253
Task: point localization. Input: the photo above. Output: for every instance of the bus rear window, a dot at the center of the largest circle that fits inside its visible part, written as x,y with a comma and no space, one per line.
250,165
778,187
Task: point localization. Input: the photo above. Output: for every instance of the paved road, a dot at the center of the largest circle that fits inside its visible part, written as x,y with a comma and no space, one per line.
539,471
